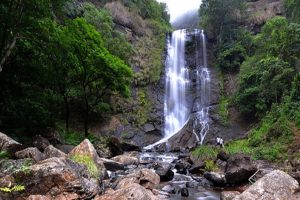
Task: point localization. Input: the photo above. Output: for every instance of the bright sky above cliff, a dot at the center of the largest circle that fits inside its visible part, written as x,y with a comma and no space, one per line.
180,7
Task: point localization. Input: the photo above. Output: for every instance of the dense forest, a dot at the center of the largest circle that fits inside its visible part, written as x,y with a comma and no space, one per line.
266,64
69,60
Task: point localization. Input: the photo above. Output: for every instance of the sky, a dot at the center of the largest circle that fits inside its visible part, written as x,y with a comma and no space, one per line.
179,7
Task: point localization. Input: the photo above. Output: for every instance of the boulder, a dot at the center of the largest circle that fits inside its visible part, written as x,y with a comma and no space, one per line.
145,177
217,179
239,168
197,167
114,146
184,192
169,189
40,142
182,166
275,185
132,191
58,177
222,155
86,148
51,151
31,152
164,170
125,146
229,195
9,145
112,165
126,159
38,197
66,148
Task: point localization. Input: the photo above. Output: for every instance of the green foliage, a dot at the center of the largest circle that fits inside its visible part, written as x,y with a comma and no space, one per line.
16,188
210,166
292,8
238,146
231,58
4,155
87,161
205,152
223,109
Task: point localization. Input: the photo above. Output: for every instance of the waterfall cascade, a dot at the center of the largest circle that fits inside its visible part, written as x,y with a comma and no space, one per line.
201,121
176,110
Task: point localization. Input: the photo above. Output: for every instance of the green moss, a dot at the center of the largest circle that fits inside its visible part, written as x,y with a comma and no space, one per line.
210,166
87,161
142,110
223,109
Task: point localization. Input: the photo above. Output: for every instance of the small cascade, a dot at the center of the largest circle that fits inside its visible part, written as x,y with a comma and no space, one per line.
176,111
201,122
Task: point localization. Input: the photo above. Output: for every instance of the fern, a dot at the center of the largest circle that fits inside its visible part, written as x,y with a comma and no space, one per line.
16,188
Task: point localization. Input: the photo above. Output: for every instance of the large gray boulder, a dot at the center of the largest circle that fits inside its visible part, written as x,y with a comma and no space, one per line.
50,151
30,152
277,185
239,168
9,145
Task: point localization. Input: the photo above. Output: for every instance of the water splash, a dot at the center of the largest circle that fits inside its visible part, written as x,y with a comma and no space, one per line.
201,122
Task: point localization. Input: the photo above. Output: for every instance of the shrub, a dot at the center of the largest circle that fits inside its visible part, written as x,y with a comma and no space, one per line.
88,162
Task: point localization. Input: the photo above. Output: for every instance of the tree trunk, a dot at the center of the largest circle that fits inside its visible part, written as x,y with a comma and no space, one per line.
8,52
67,113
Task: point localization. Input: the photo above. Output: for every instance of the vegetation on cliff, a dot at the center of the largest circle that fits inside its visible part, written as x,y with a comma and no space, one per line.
267,65
63,59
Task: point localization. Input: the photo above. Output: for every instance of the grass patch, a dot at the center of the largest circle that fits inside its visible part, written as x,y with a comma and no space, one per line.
87,161
210,166
4,155
205,152
238,146
223,109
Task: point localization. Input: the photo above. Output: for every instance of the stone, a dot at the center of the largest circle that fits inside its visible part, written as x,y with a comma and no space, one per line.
114,146
57,176
51,151
222,155
126,159
86,148
145,177
217,179
40,142
132,191
276,185
164,170
239,168
148,128
182,166
112,165
125,146
197,167
229,195
31,152
169,189
184,192
9,145
66,148
38,197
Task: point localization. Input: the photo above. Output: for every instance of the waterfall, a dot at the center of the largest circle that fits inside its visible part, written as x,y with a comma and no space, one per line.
176,109
201,122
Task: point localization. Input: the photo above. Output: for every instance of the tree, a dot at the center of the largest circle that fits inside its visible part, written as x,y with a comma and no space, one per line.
97,72
17,17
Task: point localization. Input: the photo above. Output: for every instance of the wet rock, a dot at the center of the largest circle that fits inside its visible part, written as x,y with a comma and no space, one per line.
112,165
38,197
222,155
66,148
182,166
40,142
239,168
275,185
31,152
114,146
129,147
148,128
169,189
51,151
161,195
132,191
164,170
57,176
9,145
217,179
126,159
145,177
184,192
197,167
229,195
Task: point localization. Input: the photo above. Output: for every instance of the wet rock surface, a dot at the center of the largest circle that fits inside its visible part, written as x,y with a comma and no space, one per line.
8,144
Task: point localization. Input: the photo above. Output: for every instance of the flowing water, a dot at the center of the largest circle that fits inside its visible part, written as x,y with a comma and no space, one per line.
201,122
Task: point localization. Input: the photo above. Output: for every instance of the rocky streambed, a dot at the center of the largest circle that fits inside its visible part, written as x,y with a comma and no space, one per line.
46,173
